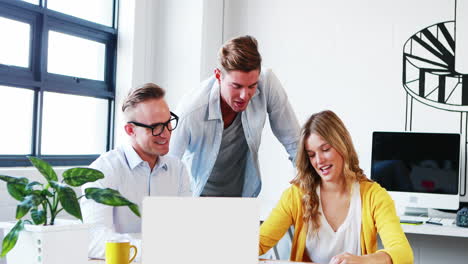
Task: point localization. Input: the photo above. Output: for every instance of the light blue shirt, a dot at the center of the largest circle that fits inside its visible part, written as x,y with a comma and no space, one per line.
126,172
197,138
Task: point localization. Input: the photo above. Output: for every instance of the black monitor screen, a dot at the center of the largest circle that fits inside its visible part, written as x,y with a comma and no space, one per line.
416,162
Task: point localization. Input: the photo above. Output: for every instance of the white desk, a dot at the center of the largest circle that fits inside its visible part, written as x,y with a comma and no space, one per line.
436,230
433,244
260,262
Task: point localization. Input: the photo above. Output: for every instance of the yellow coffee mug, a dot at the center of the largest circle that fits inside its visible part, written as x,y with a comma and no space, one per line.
118,252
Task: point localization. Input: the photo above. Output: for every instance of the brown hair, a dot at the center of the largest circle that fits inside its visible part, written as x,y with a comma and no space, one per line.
330,127
240,54
140,94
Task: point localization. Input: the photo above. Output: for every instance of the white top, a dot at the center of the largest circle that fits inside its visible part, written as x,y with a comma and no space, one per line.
126,172
327,243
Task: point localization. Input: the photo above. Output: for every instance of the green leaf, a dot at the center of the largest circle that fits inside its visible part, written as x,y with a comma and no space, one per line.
11,238
110,197
68,199
38,216
44,168
79,176
106,196
30,186
11,179
46,192
56,185
29,201
36,192
135,209
17,190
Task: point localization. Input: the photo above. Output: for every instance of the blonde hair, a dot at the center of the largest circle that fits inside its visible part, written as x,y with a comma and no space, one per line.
140,94
330,127
240,54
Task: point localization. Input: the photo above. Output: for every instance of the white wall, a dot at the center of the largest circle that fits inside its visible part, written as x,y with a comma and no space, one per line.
169,42
188,33
178,45
340,55
136,52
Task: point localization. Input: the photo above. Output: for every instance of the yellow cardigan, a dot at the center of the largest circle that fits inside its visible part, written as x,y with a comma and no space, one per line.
378,216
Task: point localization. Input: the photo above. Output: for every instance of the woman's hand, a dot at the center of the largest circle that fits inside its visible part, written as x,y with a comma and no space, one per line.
347,258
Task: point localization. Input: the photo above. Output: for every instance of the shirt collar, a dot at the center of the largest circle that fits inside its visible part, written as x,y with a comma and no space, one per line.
214,102
134,159
162,163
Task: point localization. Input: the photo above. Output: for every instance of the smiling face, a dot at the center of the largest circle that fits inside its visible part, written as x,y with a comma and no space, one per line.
149,112
327,162
237,88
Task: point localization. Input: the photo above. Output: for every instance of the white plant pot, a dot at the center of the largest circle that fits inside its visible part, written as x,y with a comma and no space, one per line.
65,242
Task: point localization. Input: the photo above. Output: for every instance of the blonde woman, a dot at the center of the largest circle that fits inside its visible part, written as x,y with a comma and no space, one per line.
335,210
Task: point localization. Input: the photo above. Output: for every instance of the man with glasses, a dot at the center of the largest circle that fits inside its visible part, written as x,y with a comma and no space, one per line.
138,169
221,123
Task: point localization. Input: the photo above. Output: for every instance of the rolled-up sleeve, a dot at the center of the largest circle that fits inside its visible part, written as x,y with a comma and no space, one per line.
283,120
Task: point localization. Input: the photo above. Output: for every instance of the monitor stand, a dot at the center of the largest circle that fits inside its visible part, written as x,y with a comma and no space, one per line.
415,211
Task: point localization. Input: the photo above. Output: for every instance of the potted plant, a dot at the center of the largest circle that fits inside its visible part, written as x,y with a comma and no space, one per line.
43,202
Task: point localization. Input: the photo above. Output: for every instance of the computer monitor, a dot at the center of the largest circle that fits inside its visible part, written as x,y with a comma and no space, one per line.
419,170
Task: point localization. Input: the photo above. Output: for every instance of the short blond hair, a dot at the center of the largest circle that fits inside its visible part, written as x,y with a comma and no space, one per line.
142,93
240,54
138,95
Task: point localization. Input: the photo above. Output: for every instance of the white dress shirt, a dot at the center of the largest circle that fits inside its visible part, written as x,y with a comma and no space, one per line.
328,243
126,172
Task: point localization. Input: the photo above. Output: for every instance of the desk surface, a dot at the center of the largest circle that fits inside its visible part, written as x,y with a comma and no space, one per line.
259,262
435,230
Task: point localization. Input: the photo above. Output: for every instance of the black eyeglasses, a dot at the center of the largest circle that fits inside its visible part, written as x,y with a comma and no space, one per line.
158,128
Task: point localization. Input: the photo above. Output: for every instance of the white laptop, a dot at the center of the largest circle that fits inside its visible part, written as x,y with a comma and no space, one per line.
202,230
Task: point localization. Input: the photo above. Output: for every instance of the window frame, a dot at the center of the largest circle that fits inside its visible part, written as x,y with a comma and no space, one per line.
36,77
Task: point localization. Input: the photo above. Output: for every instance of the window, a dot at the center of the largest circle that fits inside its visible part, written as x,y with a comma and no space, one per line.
57,80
